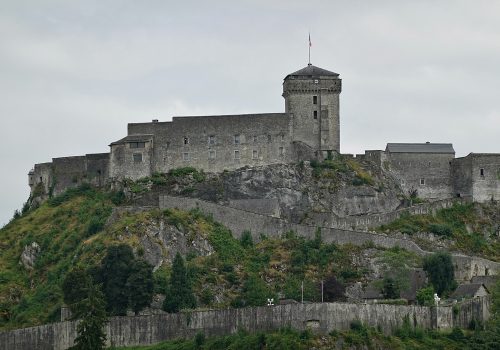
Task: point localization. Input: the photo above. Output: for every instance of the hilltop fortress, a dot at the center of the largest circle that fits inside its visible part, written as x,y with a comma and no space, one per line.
308,129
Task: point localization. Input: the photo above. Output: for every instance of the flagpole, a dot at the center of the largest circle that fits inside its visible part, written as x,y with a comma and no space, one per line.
309,49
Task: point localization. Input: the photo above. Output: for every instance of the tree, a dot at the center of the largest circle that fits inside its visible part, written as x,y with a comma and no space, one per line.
92,311
390,288
115,269
180,295
425,296
140,285
255,291
333,290
75,288
396,264
439,268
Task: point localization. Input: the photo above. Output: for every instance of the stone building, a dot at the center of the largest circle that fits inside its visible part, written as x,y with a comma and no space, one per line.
308,129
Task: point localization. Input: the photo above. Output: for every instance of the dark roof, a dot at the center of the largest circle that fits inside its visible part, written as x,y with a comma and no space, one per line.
467,290
312,71
488,281
133,138
420,148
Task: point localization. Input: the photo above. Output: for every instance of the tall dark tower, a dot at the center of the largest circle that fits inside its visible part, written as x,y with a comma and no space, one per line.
312,97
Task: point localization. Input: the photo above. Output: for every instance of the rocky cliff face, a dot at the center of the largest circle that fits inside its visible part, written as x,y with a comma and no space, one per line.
301,193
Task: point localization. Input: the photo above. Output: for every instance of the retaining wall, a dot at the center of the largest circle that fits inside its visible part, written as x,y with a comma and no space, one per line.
238,221
320,317
365,222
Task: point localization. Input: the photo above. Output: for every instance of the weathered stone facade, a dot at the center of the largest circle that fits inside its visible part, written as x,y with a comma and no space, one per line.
320,318
308,129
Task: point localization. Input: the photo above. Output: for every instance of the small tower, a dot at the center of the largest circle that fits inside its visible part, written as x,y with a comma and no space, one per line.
312,98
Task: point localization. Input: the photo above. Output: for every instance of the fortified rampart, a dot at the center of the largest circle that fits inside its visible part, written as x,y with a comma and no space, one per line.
238,221
367,222
319,317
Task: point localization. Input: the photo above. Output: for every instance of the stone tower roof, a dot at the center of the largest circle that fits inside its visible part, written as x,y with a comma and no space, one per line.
311,72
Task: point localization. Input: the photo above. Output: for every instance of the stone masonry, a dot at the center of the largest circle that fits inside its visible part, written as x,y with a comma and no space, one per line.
308,129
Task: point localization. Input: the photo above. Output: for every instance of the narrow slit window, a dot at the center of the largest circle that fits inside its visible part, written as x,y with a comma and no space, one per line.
236,154
254,139
211,140
255,154
237,139
281,151
186,140
422,181
315,100
315,114
481,171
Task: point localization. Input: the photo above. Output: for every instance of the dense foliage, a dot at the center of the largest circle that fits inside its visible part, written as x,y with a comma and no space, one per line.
440,271
92,314
179,294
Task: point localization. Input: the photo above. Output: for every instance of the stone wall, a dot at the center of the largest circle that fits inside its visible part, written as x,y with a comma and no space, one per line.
485,177
320,317
314,104
238,221
132,162
66,172
367,222
433,169
218,143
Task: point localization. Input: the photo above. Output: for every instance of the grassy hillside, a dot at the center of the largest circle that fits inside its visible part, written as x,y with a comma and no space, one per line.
68,230
71,230
469,228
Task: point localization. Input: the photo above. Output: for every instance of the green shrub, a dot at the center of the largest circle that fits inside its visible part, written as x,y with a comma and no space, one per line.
441,230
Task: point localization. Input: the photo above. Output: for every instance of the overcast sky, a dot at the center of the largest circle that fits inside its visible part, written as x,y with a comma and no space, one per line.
74,73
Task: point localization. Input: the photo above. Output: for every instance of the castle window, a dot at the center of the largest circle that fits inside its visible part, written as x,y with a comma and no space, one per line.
282,137
137,144
281,151
315,100
237,139
185,156
186,140
481,172
211,155
255,154
236,154
254,139
269,139
211,140
315,114
422,181
137,157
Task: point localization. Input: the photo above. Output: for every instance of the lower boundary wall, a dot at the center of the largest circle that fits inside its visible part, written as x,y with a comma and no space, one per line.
238,221
319,317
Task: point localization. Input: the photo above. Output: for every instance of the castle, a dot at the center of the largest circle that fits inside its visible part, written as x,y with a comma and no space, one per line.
308,129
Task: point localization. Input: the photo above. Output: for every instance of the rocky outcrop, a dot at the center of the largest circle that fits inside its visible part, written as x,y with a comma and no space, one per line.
29,255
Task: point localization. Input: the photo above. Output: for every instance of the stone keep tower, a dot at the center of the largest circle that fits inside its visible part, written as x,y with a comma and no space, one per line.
312,98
